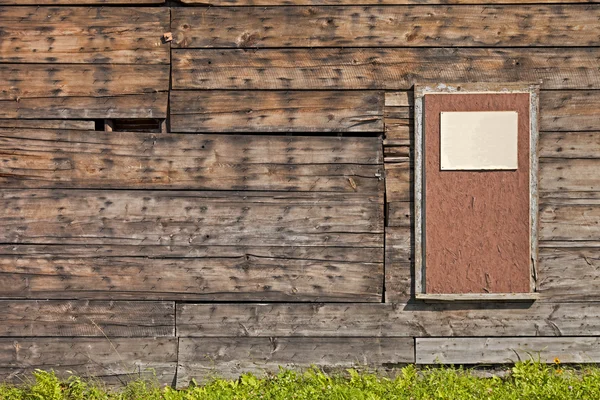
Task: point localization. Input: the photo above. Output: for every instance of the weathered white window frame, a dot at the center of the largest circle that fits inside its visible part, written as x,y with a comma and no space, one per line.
491,88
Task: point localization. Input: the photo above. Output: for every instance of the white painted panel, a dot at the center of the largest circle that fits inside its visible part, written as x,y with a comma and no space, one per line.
478,140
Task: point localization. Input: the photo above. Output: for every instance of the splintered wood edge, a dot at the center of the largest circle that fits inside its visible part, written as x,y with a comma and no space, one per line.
419,194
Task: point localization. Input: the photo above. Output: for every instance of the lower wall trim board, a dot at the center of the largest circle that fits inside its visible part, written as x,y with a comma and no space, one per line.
203,358
507,350
113,360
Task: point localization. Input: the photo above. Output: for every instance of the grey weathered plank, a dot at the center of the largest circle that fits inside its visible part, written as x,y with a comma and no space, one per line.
40,158
29,81
78,2
569,111
203,358
276,111
115,35
147,105
412,26
47,124
390,320
569,145
381,68
398,264
114,360
569,220
28,318
398,181
506,350
399,213
569,175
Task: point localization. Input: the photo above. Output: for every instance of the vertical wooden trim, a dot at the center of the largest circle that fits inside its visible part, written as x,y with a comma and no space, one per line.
419,195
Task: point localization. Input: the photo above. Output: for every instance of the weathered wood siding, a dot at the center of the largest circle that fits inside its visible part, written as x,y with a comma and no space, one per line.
269,180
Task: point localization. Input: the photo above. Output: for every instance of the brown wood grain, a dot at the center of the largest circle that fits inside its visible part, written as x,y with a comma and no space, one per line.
411,319
27,318
399,245
232,357
382,68
47,124
114,361
385,26
222,3
276,111
78,2
83,159
567,111
115,35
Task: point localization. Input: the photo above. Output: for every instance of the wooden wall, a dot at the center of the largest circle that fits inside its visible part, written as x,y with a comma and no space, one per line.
271,224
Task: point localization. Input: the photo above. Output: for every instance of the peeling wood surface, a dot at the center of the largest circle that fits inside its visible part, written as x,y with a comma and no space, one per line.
199,359
81,159
109,35
413,26
113,361
572,350
276,111
381,68
390,320
27,318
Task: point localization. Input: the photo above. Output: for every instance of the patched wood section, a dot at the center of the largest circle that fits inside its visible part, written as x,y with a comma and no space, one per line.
381,68
81,159
82,318
114,361
276,111
200,359
232,222
112,35
576,350
390,320
348,26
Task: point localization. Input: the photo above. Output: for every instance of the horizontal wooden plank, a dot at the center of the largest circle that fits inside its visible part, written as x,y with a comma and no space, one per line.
402,26
232,357
570,111
148,105
115,35
390,320
222,3
27,318
276,111
48,124
382,68
398,181
245,278
27,81
399,99
113,361
83,159
567,220
569,175
569,145
506,350
78,2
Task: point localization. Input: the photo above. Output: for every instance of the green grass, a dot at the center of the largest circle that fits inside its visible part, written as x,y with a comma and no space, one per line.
527,380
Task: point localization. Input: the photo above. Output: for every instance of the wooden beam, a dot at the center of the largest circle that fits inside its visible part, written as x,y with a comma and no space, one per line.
402,26
231,357
115,360
381,68
83,159
576,350
262,111
27,318
90,35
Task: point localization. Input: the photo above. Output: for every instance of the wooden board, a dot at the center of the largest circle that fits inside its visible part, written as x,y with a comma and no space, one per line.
569,220
390,320
115,361
382,68
282,111
398,181
148,105
559,175
569,145
353,26
114,35
82,159
47,124
222,3
85,318
399,245
506,350
569,111
230,222
200,359
78,2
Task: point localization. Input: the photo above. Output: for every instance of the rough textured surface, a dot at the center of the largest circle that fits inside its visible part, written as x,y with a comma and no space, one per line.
476,222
